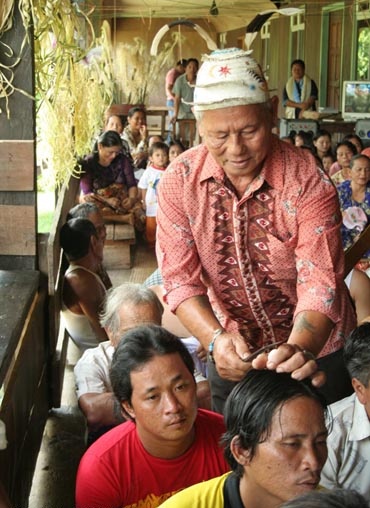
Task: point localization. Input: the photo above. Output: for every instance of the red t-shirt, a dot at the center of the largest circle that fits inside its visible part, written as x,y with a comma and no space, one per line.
116,471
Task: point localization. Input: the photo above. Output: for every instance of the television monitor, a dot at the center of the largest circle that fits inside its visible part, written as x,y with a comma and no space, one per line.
355,100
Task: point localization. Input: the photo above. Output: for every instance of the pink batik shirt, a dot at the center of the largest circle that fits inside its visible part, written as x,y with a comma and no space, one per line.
261,259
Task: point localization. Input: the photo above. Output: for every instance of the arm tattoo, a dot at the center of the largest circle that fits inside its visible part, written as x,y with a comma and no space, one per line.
302,324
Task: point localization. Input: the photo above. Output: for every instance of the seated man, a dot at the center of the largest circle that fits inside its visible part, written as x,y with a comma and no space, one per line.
348,464
275,443
168,444
83,289
126,306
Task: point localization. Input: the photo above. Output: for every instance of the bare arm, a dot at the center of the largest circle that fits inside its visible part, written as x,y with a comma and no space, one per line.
143,197
100,410
176,107
360,294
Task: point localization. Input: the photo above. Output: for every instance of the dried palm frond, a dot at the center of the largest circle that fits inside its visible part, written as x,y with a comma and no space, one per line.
137,71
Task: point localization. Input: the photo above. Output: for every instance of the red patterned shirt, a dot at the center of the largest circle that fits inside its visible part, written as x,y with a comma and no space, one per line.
261,259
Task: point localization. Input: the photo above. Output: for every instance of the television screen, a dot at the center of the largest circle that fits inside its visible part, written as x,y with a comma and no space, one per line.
356,100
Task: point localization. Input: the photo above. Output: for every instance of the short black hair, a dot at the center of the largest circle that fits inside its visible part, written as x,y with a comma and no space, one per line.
357,157
320,133
108,139
337,498
158,145
356,353
194,60
135,109
298,61
251,405
136,348
348,144
177,142
182,62
75,237
82,211
352,135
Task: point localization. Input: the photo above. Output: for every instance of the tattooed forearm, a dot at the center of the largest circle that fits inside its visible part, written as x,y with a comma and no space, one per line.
303,324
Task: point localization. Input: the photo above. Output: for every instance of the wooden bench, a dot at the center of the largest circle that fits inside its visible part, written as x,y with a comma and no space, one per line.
117,250
24,378
56,267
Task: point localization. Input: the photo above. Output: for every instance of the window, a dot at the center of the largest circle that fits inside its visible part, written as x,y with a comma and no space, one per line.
265,38
363,41
297,25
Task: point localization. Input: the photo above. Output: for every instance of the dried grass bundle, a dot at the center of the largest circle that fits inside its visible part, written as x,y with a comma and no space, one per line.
137,71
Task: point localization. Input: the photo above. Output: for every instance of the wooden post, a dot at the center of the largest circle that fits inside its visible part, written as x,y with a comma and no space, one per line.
18,226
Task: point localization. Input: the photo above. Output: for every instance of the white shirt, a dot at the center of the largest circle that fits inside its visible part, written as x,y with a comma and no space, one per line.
348,463
149,181
92,369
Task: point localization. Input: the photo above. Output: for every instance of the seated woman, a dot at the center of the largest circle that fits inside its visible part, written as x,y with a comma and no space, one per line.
136,135
322,143
108,181
340,170
83,289
354,199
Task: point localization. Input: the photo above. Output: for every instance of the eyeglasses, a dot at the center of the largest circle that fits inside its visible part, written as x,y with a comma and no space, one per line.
263,349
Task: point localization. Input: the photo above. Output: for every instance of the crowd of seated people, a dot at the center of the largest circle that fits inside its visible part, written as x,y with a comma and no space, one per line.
110,174
349,169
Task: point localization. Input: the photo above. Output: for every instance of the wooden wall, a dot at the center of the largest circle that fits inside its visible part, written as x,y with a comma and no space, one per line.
18,245
125,30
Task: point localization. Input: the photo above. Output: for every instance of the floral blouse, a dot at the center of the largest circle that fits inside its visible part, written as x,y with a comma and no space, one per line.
134,147
356,216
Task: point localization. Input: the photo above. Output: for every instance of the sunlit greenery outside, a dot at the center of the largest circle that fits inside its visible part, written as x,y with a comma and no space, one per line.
363,54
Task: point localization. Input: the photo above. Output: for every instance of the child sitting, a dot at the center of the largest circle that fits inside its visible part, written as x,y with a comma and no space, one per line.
158,160
176,147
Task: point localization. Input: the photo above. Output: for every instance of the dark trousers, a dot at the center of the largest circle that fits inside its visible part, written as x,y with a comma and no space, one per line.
338,383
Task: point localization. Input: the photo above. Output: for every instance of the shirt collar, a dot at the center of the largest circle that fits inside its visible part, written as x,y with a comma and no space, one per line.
360,425
271,169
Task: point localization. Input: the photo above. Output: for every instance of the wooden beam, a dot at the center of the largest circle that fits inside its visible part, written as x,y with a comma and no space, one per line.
17,230
16,165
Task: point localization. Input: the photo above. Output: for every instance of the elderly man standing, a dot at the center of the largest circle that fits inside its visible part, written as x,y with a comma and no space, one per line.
249,238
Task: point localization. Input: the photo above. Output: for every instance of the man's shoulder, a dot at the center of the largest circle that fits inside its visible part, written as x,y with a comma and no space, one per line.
191,164
200,494
120,438
296,168
341,413
211,421
103,352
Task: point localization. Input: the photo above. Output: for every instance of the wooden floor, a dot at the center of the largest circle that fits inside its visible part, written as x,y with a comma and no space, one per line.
63,442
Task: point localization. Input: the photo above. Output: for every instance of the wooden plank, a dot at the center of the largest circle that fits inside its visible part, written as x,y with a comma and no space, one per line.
17,230
17,291
58,339
117,254
17,165
66,200
124,232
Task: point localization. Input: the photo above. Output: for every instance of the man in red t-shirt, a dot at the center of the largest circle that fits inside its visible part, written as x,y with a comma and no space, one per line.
168,445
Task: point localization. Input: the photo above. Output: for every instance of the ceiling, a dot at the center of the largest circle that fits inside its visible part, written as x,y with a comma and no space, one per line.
232,14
